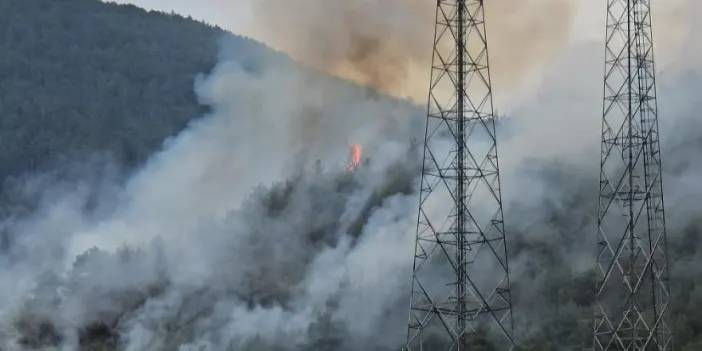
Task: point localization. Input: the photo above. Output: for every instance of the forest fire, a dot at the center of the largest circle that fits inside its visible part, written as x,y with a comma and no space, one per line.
356,157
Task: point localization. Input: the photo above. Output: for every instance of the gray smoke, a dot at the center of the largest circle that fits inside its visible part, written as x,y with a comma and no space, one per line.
246,232
387,44
246,229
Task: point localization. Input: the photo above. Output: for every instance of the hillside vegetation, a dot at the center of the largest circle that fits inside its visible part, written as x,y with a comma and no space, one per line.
83,80
81,77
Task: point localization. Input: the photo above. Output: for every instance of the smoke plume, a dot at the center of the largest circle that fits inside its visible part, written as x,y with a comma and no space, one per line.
387,44
247,231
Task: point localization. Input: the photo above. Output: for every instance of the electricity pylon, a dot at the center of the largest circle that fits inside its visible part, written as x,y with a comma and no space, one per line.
633,295
460,284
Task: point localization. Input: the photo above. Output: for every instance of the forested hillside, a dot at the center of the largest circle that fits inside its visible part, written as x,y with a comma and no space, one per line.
83,80
82,77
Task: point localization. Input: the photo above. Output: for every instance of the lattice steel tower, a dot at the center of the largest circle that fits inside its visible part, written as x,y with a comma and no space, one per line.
633,296
460,284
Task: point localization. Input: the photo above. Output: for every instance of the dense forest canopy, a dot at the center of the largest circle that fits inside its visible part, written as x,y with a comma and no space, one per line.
81,77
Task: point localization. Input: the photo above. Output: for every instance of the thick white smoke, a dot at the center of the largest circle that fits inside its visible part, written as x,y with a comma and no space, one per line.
235,236
190,242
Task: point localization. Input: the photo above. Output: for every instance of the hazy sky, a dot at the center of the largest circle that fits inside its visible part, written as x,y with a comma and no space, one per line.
236,15
386,43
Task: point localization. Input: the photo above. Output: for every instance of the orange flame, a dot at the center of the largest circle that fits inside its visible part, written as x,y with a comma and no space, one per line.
356,157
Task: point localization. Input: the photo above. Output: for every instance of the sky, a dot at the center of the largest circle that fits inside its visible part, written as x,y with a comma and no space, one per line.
387,43
233,15
237,16
184,194
343,38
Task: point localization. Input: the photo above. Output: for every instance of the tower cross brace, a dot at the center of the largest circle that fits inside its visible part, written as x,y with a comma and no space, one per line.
633,294
460,296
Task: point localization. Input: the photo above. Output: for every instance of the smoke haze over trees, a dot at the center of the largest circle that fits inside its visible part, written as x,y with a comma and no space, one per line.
189,191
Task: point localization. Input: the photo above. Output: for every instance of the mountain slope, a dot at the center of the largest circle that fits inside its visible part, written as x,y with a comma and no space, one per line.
82,77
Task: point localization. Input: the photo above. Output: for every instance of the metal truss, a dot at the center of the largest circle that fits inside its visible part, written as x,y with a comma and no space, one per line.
460,284
633,295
